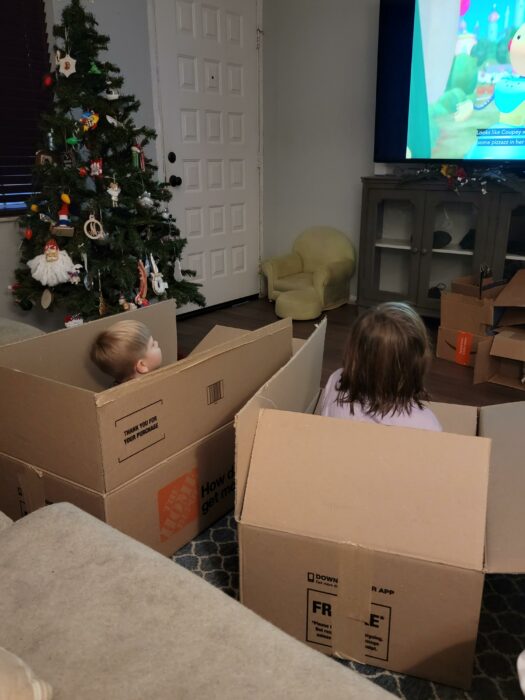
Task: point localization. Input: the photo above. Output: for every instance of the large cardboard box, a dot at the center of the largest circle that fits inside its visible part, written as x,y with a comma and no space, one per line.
469,285
377,540
457,346
509,306
466,313
154,456
58,415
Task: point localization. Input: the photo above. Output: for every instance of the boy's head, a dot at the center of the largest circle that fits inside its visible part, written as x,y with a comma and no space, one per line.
386,360
126,350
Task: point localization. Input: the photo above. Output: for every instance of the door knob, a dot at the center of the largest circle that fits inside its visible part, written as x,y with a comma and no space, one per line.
172,157
175,181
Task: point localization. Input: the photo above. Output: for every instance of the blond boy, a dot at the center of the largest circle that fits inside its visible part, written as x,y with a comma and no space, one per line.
126,350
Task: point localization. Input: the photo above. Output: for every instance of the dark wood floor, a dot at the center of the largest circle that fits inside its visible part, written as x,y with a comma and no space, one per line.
447,382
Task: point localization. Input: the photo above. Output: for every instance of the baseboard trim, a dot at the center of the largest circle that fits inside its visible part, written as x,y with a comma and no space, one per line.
216,307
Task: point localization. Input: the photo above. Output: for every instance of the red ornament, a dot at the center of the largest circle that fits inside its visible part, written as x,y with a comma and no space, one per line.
47,80
28,234
83,171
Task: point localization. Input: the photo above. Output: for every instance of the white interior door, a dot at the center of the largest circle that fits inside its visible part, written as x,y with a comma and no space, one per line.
207,84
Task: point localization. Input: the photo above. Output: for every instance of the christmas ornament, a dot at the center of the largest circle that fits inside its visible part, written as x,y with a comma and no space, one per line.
83,171
52,267
137,157
72,320
113,121
67,65
28,234
158,284
102,306
34,208
43,157
88,277
145,200
26,304
72,140
63,228
89,120
177,271
125,304
95,167
74,275
114,191
46,299
110,93
93,229
46,218
69,159
94,69
140,298
47,80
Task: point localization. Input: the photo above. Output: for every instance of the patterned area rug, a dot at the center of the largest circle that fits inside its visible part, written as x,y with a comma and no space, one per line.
213,555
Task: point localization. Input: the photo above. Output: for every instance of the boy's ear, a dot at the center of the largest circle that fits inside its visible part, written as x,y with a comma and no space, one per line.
141,367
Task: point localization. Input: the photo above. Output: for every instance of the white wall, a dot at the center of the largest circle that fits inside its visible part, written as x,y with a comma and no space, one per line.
319,100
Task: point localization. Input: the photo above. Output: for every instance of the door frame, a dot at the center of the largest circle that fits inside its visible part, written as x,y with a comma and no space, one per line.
160,148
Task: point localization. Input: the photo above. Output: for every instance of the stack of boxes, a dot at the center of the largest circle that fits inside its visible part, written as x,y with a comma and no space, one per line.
483,326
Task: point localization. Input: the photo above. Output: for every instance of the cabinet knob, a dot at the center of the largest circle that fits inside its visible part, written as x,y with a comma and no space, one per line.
415,250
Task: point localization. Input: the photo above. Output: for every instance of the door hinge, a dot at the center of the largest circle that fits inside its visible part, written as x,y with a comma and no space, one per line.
260,34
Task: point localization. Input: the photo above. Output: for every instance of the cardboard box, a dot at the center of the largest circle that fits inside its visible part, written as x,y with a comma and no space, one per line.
57,416
165,507
466,313
501,359
378,539
457,346
469,286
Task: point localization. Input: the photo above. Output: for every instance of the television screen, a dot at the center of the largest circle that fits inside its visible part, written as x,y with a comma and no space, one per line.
451,80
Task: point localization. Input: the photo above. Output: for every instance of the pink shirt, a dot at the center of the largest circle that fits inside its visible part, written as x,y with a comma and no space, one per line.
418,417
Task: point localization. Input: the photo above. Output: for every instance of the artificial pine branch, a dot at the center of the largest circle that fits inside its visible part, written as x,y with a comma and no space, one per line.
134,231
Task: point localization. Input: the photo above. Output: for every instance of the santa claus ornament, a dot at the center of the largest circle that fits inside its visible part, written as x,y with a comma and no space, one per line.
53,266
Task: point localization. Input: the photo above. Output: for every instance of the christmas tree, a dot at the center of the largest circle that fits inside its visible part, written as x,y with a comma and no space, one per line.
97,228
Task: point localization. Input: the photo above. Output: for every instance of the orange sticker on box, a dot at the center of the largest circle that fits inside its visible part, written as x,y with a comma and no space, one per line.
463,347
178,504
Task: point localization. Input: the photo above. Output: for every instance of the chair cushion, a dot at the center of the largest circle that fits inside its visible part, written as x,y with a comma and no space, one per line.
303,280
301,305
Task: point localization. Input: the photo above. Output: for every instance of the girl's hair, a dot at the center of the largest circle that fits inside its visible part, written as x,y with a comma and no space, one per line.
386,359
118,349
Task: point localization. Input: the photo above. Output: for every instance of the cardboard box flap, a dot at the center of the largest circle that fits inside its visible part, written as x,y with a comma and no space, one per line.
509,305
410,492
461,420
504,425
217,336
64,355
294,387
510,344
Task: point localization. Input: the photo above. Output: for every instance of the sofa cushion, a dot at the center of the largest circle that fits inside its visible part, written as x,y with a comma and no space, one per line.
100,615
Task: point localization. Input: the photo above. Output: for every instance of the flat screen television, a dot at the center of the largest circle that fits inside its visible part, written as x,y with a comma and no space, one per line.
450,81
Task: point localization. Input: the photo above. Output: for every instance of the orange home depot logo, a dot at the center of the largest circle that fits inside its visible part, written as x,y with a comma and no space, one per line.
178,504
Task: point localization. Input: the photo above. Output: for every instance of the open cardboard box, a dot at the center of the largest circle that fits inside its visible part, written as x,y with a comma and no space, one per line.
152,456
377,540
501,359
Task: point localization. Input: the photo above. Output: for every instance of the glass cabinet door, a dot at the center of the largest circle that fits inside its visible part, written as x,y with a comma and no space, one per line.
509,242
394,225
453,242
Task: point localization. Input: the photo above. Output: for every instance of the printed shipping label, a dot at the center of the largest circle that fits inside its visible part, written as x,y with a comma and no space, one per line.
140,430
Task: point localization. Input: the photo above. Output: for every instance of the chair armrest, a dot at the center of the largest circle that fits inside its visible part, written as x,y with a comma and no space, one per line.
281,266
333,272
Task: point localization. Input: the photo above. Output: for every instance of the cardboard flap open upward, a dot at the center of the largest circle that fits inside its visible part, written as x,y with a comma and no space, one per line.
512,299
64,355
294,388
400,490
461,420
504,425
217,336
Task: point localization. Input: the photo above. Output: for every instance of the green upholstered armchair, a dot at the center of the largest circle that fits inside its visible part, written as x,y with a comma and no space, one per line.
322,259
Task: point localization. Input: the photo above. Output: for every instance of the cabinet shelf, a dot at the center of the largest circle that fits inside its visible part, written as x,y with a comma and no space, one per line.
452,250
393,243
514,256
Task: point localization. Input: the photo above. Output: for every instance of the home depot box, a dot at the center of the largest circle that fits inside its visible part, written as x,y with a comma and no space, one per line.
164,507
374,548
501,359
57,416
